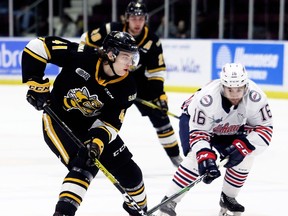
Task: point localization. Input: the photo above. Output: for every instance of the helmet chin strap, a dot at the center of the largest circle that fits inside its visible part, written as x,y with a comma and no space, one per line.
111,61
112,68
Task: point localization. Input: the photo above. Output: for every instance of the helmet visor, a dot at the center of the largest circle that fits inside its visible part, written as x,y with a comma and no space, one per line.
129,58
135,61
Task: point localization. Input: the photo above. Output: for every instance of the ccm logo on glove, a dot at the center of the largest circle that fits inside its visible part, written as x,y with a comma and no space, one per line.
39,88
242,147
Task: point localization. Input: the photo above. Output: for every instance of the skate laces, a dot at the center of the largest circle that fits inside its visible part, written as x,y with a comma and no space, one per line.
232,200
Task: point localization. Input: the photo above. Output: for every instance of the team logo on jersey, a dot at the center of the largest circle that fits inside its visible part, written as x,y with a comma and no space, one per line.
226,129
254,96
81,99
206,101
82,73
214,120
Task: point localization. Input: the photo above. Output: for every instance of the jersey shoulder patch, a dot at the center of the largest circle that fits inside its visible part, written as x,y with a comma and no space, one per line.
254,96
206,100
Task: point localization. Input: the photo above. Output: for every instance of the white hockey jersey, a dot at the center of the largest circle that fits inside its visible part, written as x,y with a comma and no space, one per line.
209,116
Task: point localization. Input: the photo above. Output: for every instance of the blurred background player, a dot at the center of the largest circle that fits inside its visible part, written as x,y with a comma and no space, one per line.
66,28
228,118
91,95
149,75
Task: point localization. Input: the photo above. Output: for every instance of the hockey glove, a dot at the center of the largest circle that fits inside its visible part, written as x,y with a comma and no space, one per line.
94,149
237,151
207,164
162,103
38,93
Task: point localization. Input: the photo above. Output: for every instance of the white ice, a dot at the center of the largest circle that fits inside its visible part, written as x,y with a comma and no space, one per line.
31,175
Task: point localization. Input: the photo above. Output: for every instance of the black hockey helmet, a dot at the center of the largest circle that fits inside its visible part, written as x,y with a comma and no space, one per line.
117,41
137,8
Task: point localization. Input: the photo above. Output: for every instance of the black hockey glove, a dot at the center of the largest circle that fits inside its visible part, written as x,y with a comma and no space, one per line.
94,149
162,103
237,151
207,164
38,93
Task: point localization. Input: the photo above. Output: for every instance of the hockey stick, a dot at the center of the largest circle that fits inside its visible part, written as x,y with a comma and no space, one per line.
98,164
154,106
185,189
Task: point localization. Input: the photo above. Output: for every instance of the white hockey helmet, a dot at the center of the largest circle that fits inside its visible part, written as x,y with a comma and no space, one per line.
233,75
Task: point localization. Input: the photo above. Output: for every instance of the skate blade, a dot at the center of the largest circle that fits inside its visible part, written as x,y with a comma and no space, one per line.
226,212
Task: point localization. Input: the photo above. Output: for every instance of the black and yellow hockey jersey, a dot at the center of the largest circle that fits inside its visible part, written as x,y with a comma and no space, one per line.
151,71
82,95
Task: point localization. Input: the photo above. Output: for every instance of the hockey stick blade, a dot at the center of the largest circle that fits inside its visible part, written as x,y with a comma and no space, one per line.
174,196
154,106
183,190
98,164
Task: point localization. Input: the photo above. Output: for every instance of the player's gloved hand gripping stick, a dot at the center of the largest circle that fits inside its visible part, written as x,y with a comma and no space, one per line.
68,131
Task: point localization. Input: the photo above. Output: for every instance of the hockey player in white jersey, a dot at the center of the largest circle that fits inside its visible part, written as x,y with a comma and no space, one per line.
228,118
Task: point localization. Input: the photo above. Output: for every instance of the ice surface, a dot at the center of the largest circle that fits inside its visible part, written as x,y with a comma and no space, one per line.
31,175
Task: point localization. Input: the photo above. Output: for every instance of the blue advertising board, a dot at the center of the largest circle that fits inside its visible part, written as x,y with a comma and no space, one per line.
10,58
263,61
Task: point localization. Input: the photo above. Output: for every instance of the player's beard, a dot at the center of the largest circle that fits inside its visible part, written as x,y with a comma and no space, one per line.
235,101
135,31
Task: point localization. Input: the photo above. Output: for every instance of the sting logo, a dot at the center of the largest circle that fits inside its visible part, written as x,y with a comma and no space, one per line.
81,99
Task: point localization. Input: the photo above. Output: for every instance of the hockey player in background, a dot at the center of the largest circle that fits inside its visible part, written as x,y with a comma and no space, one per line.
149,75
91,95
228,118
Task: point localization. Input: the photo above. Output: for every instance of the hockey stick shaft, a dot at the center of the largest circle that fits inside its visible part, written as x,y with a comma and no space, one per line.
98,164
154,106
183,190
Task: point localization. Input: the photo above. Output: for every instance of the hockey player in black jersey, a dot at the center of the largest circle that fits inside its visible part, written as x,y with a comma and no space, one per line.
91,94
149,75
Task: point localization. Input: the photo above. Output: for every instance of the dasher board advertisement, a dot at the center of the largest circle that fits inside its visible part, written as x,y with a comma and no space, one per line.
263,61
10,57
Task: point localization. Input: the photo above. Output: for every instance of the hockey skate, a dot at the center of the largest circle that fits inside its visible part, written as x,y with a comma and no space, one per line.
59,214
168,209
229,206
176,160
